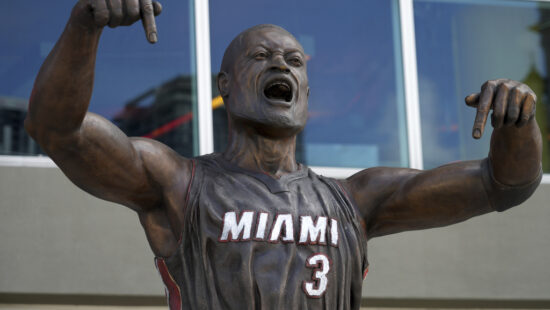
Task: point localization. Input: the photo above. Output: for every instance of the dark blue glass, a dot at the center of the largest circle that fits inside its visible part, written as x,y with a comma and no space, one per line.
147,90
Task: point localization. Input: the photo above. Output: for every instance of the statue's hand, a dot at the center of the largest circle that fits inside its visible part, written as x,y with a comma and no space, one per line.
512,102
114,13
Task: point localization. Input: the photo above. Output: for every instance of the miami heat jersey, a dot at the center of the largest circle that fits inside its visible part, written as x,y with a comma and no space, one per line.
251,241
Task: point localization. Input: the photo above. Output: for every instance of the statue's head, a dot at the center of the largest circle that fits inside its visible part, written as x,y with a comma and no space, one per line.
263,82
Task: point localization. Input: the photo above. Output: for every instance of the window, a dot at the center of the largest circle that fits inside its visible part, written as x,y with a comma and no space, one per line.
356,106
460,45
356,110
147,90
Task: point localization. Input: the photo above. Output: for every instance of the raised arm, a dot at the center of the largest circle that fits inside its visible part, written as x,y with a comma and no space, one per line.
393,200
91,151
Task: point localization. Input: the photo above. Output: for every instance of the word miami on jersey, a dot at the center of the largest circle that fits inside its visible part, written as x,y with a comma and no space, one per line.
237,229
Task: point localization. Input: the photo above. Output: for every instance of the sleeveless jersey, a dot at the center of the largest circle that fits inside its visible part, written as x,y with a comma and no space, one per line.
251,241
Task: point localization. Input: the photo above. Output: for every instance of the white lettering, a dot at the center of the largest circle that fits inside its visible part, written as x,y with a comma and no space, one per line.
282,219
249,224
262,223
321,266
315,232
230,226
333,232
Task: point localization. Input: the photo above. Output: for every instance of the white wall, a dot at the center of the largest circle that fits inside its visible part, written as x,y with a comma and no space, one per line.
54,238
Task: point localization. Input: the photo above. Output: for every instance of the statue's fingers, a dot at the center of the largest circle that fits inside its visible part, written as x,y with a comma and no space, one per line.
116,12
131,11
515,99
527,110
157,8
101,12
472,100
500,104
483,108
148,20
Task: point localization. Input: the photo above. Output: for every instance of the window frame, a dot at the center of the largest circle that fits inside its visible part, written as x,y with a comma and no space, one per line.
201,23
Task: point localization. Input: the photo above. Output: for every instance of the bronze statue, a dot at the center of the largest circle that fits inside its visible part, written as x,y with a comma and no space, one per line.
251,227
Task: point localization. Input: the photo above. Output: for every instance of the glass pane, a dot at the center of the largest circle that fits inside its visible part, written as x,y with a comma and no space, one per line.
147,90
460,45
356,109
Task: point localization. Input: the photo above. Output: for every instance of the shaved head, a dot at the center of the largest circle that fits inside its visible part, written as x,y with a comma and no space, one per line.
263,82
236,45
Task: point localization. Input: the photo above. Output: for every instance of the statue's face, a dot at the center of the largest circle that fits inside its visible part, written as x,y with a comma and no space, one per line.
267,86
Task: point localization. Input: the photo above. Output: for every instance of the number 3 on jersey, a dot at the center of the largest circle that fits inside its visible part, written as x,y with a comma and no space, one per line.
321,266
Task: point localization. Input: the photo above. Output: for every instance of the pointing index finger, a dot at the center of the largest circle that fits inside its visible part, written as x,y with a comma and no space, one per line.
148,20
483,108
485,100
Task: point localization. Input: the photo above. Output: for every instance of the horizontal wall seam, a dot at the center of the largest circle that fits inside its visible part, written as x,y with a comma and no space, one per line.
141,300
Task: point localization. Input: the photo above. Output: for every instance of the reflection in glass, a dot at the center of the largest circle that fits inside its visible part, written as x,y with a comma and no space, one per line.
356,112
462,44
147,90
164,113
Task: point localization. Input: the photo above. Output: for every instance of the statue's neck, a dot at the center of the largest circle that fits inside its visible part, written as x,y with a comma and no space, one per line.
249,150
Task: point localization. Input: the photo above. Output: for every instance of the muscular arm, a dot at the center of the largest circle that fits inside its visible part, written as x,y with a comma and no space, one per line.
91,151
393,200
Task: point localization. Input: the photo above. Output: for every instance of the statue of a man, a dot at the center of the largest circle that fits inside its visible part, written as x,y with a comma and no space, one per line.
251,228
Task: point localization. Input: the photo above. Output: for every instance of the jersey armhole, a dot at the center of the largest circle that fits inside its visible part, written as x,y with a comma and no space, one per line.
360,221
353,203
186,203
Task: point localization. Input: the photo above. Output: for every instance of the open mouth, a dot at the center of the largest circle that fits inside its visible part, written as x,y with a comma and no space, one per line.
278,90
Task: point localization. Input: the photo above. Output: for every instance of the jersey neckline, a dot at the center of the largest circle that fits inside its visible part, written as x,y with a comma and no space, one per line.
274,185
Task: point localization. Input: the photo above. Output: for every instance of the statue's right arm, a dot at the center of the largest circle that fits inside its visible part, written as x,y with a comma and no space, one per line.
90,150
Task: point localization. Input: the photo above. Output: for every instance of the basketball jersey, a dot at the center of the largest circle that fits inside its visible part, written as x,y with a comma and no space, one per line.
251,241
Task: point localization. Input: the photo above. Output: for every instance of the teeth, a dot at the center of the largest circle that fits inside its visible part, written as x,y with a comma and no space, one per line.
278,83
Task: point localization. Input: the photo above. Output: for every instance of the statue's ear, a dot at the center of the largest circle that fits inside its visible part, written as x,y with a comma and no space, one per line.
223,84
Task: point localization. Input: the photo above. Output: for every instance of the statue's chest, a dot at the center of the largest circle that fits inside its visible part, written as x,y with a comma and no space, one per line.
304,213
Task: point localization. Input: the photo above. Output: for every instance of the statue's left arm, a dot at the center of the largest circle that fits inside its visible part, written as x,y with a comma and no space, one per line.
392,200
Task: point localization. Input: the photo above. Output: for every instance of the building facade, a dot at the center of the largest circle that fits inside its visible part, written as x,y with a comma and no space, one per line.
388,80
